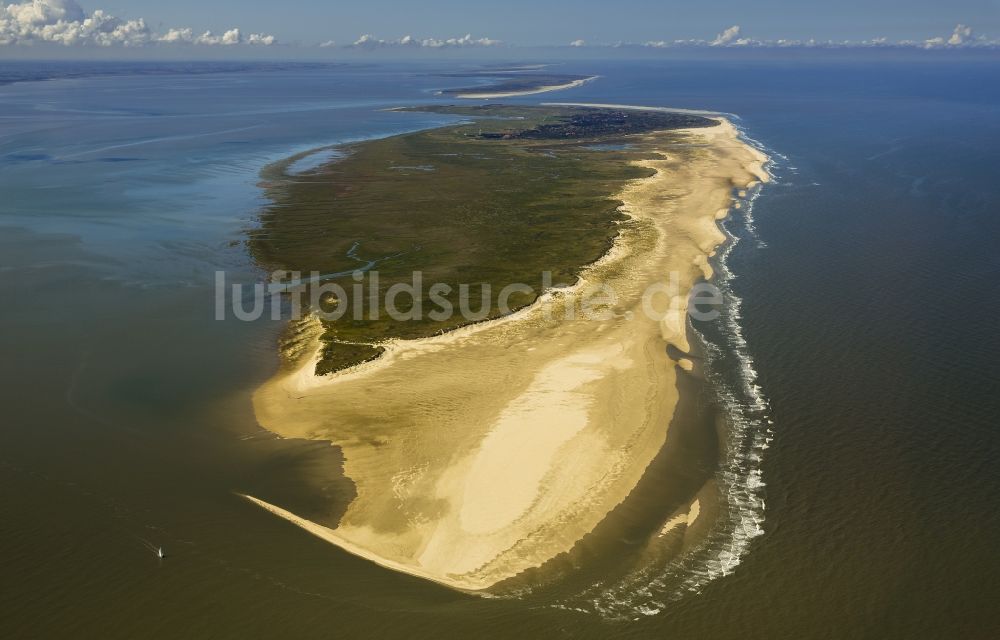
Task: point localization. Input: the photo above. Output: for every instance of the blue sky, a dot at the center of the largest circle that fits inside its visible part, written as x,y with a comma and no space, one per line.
514,22
534,22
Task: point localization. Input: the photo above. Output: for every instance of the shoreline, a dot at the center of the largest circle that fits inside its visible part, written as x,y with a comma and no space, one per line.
584,409
487,95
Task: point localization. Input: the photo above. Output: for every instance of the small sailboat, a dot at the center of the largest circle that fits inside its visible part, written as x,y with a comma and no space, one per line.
159,553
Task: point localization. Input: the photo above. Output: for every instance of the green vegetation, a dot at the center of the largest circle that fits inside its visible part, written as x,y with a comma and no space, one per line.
582,122
454,203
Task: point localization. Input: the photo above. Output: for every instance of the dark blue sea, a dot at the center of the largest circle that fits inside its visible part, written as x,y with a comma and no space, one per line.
858,357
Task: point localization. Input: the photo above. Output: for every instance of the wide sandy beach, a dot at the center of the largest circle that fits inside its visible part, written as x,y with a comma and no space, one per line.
489,450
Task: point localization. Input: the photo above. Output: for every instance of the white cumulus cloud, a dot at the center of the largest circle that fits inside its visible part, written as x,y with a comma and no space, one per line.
65,22
727,37
961,36
39,12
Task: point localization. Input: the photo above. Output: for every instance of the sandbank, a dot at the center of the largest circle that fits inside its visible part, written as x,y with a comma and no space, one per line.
488,450
488,95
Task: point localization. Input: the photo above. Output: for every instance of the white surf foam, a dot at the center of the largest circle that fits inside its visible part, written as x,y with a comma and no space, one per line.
650,589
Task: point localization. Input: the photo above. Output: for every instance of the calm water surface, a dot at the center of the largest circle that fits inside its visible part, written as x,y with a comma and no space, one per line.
868,280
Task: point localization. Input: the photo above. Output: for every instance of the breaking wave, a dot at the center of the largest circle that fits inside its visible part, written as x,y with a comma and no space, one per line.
729,369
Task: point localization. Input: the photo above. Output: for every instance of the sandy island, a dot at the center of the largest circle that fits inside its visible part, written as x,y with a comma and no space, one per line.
489,450
487,95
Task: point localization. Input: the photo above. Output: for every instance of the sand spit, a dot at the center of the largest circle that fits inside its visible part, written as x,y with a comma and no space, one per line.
486,451
633,107
487,95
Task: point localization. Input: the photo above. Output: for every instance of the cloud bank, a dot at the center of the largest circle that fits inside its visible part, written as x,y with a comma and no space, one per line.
65,22
368,41
961,37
